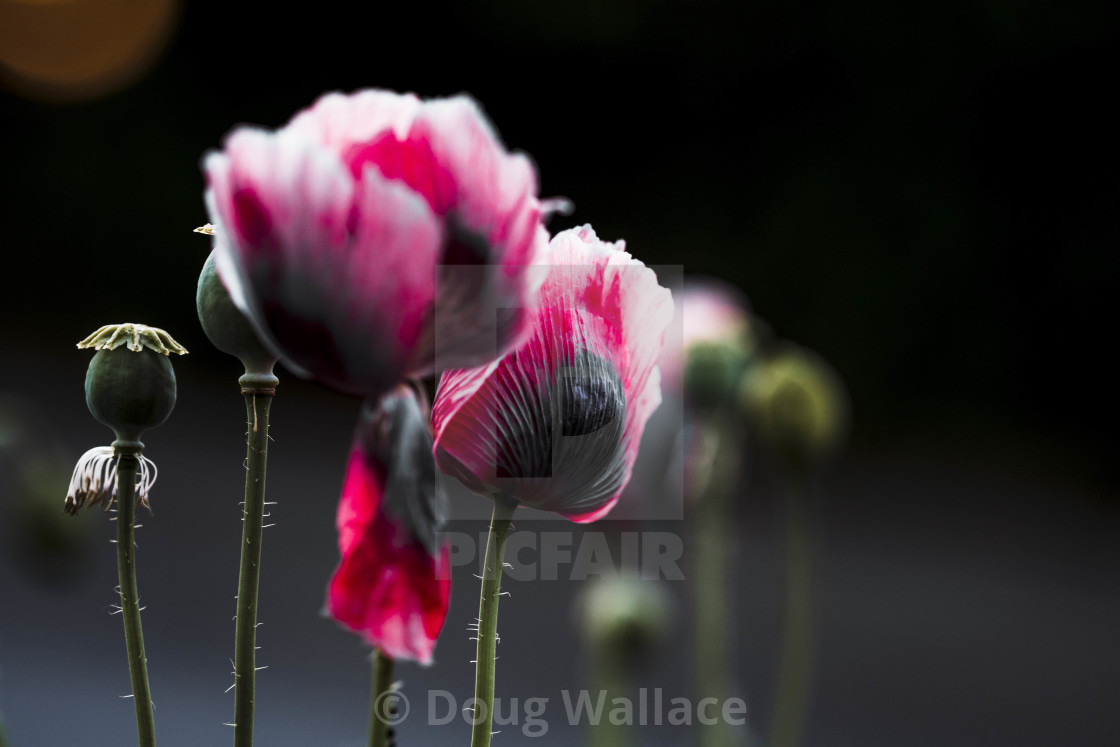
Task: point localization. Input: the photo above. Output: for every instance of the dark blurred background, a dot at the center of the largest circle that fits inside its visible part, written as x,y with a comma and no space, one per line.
925,194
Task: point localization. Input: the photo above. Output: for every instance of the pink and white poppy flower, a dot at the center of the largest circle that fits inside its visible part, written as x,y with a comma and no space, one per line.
377,236
393,583
556,423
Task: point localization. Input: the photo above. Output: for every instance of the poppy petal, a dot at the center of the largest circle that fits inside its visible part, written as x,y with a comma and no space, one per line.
377,217
322,264
392,584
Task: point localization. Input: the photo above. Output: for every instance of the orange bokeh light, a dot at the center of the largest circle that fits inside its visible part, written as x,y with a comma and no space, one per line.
70,50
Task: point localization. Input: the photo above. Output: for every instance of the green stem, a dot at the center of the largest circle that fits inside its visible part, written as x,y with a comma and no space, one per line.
488,621
127,464
718,473
796,664
711,617
610,661
380,704
609,676
258,399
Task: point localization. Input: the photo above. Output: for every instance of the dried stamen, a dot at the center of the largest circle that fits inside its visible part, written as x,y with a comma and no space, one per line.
94,481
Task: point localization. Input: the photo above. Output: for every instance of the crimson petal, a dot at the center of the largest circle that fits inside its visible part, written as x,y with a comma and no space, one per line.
392,585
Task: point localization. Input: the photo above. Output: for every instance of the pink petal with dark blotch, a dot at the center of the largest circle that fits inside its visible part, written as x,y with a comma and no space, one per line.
494,238
557,423
623,292
497,197
298,210
279,193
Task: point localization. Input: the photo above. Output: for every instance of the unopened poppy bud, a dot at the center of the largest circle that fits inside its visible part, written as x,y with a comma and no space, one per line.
712,368
130,385
625,618
718,336
797,405
226,327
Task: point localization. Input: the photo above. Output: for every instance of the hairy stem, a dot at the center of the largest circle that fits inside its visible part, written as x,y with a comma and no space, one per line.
488,622
127,464
257,402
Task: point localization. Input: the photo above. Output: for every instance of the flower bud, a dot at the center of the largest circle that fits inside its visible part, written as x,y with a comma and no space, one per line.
711,370
226,327
624,618
797,406
130,385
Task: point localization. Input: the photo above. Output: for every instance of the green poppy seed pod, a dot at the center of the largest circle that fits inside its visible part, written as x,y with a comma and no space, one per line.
624,618
228,329
130,384
797,406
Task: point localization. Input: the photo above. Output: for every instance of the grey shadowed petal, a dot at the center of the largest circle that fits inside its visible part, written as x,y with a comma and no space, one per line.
560,446
394,437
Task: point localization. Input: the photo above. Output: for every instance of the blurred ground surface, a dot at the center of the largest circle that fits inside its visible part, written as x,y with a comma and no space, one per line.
958,605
